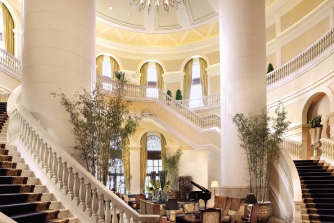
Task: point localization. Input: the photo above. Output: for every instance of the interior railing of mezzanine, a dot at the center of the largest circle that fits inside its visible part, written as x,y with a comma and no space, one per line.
293,186
206,101
302,59
10,61
132,90
90,197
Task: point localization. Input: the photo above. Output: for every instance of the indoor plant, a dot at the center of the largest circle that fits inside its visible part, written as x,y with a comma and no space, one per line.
259,135
171,164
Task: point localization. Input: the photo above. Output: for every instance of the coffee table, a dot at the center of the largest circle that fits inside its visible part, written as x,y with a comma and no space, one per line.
187,218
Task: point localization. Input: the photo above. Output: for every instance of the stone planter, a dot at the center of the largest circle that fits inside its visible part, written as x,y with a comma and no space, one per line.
265,211
315,134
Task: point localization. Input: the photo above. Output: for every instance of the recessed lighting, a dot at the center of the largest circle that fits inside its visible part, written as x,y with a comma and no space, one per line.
110,8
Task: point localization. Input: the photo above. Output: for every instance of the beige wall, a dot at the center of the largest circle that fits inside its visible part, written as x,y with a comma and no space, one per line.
213,57
130,64
271,32
214,84
298,12
299,44
173,65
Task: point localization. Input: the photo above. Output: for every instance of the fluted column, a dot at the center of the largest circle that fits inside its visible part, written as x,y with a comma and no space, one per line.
243,82
56,56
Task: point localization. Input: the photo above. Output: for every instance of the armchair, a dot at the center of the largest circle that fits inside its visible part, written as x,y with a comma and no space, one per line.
211,215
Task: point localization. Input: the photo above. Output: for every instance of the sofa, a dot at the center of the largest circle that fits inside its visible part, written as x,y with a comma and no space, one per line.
232,208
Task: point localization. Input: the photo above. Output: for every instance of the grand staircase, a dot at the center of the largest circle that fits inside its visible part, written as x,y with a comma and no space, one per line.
22,197
317,182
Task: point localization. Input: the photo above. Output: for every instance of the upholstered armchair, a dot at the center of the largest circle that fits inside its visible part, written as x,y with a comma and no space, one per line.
211,215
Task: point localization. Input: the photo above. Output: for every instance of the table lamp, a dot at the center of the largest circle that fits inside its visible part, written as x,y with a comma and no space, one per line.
172,206
214,184
249,201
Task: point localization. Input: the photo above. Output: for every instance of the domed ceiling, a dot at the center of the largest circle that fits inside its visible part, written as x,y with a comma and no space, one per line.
194,21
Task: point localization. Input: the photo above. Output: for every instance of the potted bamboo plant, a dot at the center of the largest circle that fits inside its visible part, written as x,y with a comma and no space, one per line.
259,135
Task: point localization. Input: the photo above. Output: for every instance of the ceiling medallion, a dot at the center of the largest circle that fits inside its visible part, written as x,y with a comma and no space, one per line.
166,4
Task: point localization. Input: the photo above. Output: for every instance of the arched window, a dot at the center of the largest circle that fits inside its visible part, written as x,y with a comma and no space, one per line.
154,162
152,81
116,178
106,67
196,88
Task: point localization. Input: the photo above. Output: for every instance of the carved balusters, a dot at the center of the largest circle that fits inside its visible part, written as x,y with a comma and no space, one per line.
128,218
41,153
82,194
76,183
45,158
114,214
60,173
70,193
38,142
121,216
101,209
94,205
65,178
107,211
88,210
54,167
33,142
50,162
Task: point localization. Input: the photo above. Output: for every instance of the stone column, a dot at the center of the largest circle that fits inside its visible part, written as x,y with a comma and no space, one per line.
58,56
243,82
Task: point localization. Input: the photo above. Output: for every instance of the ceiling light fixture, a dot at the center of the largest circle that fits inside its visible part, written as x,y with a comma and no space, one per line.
166,4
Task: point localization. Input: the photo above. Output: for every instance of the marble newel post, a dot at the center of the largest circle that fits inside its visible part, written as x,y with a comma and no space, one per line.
243,82
58,53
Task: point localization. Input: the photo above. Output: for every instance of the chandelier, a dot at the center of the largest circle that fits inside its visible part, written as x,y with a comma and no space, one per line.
141,4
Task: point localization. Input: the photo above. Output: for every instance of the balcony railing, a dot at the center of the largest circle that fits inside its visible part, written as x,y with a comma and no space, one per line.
302,59
4,96
154,93
294,148
327,148
10,61
206,101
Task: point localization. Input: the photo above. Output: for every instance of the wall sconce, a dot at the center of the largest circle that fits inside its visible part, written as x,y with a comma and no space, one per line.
214,184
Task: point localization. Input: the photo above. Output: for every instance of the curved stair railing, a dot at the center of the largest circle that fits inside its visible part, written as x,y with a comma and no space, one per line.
10,61
153,93
90,196
292,185
302,59
206,101
327,148
294,148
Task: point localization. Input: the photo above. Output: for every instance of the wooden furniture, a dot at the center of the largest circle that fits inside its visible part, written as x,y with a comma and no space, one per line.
187,218
232,208
138,198
211,215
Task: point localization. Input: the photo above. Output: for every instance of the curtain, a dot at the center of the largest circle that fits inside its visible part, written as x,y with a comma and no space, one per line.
99,62
8,30
126,164
203,76
187,81
143,71
159,74
163,150
143,161
114,67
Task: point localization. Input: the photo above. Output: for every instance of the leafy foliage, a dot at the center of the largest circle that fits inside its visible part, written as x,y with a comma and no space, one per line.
178,95
315,122
270,68
172,161
260,135
102,126
119,75
169,93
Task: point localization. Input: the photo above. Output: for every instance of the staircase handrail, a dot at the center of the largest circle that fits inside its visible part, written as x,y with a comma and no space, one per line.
209,100
327,148
10,61
302,59
294,148
154,93
67,174
4,96
294,187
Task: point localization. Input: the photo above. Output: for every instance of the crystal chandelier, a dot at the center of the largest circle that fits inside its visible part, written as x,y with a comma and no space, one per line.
141,4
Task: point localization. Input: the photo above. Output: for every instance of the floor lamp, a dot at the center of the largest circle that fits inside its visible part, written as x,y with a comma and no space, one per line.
214,184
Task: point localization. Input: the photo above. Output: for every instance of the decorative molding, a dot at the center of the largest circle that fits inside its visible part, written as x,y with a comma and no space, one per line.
173,77
213,70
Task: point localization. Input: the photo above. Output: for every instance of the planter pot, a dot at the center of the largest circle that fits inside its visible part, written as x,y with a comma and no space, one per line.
315,134
265,211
